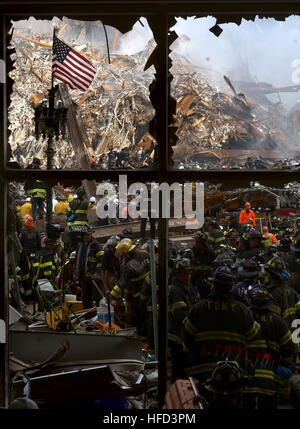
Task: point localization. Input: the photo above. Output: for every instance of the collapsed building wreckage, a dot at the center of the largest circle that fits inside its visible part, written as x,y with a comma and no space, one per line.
214,128
113,114
229,128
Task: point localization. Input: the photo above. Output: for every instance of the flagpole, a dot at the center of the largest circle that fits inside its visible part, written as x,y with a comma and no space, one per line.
52,78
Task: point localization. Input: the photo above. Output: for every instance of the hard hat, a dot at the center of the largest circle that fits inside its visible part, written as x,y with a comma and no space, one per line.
124,246
72,255
259,298
212,222
127,233
80,192
226,379
200,236
275,266
223,275
183,264
67,191
248,269
93,200
75,196
29,221
28,199
113,240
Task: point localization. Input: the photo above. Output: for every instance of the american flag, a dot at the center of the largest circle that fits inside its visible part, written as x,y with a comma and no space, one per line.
71,67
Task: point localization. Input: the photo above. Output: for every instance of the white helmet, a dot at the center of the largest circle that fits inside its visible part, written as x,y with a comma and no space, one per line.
28,199
92,200
72,255
75,196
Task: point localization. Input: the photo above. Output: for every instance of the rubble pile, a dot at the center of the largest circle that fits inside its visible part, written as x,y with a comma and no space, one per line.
210,119
114,112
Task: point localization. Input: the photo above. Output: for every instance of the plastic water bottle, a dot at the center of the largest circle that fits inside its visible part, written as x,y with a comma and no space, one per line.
102,312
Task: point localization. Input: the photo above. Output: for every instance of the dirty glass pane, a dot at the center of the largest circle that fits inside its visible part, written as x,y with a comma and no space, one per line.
237,91
107,121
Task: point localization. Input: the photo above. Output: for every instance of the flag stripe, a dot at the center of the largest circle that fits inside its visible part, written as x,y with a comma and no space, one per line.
71,67
68,63
65,79
73,75
83,60
69,60
70,78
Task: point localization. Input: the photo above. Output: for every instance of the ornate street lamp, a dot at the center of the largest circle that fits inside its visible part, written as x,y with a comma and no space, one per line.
50,122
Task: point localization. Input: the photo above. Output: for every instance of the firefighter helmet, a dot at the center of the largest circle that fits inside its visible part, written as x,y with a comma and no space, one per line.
275,266
259,298
226,379
223,275
183,264
113,240
124,246
80,192
248,269
29,221
200,236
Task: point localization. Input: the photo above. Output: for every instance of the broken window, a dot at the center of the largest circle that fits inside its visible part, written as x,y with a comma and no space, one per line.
107,124
237,92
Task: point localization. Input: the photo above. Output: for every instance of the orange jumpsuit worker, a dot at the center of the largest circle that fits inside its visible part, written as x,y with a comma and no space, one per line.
270,238
246,214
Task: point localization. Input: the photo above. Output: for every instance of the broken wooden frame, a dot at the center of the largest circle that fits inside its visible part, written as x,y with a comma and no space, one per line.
122,14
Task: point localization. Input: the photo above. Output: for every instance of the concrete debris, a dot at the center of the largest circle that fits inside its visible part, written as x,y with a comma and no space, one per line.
115,111
220,130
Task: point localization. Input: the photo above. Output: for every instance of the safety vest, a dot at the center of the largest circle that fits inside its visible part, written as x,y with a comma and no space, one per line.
77,208
267,242
38,190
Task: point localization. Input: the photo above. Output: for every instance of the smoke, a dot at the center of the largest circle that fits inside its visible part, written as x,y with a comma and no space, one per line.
259,51
135,40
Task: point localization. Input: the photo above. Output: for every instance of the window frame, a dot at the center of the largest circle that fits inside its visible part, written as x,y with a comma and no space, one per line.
112,12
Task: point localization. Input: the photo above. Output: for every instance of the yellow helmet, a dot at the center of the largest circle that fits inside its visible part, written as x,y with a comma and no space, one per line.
124,246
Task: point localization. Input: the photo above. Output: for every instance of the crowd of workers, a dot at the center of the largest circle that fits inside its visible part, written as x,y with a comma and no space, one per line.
233,296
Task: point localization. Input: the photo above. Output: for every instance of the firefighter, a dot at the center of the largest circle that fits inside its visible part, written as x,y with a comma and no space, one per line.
62,205
286,301
225,386
293,265
30,238
148,212
249,272
68,195
246,214
110,270
180,303
136,269
45,261
87,264
256,247
37,192
269,239
218,327
272,354
25,209
215,235
203,257
66,276
93,203
77,210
